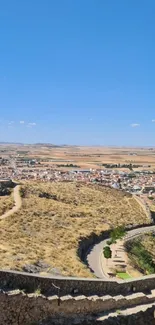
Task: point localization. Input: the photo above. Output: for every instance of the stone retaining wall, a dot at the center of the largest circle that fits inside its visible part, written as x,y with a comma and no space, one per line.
20,309
7,183
30,283
141,318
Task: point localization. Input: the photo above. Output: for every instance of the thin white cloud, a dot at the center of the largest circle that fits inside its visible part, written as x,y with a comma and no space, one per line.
11,122
22,122
134,125
32,124
153,121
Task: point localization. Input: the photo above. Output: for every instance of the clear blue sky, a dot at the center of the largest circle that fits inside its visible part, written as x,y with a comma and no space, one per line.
77,71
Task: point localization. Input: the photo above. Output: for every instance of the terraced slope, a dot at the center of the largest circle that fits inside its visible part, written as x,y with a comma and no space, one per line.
53,218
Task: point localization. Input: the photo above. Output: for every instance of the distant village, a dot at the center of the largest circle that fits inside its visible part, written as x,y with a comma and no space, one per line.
132,179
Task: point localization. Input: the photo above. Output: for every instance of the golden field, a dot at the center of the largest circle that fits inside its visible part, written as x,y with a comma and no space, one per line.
50,229
85,157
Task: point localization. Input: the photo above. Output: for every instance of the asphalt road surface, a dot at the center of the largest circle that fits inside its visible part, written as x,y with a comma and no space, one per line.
94,256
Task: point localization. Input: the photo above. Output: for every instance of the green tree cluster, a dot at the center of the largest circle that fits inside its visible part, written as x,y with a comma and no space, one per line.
117,233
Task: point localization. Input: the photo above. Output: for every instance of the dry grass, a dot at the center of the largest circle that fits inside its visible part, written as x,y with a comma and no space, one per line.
50,229
152,207
148,241
6,203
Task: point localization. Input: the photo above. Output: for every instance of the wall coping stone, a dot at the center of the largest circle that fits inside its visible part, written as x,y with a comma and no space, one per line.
37,275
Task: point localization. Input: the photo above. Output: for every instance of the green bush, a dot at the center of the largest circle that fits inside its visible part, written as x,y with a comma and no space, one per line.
117,233
109,242
107,252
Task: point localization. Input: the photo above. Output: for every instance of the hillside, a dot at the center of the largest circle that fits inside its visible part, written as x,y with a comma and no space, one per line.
52,219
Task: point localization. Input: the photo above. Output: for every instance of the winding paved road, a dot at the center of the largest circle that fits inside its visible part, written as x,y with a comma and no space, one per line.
18,203
94,256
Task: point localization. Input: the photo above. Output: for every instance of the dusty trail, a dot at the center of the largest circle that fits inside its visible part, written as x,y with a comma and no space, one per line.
18,203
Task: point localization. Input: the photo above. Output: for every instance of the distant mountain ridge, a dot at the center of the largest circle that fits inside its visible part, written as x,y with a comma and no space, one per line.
17,143
36,144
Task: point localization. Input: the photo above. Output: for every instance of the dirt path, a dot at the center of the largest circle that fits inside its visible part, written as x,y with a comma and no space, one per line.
18,203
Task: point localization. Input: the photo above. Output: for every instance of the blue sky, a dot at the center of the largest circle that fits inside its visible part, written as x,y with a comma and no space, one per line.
77,71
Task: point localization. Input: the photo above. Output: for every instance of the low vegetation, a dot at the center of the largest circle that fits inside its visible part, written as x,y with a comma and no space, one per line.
6,203
142,254
68,165
49,227
117,233
123,275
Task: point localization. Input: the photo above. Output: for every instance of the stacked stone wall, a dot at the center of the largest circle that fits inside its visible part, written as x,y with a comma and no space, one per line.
18,308
47,285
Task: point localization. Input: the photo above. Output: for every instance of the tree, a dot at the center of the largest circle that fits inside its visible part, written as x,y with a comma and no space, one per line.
117,233
130,166
107,252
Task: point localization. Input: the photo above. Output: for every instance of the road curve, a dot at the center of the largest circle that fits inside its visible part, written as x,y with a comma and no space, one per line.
18,203
94,256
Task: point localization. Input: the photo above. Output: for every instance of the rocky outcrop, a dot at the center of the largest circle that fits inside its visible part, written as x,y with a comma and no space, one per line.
39,266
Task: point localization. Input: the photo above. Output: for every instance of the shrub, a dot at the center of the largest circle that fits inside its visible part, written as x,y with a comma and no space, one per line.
107,252
117,233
